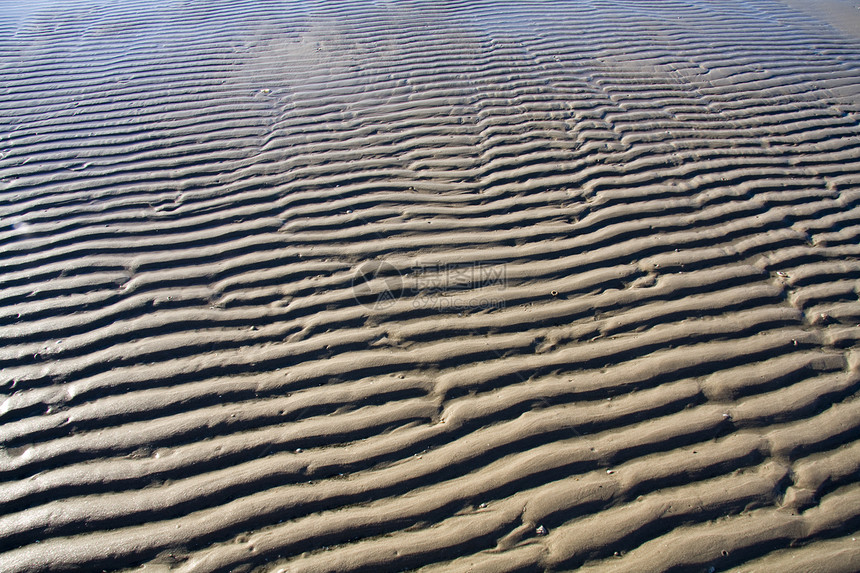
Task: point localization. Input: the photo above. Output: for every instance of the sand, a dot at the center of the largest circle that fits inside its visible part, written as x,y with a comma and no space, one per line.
435,286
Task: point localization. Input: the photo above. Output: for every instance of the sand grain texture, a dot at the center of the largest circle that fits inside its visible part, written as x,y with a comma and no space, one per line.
621,243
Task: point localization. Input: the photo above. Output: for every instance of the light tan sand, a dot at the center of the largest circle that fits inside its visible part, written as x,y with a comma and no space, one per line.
467,286
844,15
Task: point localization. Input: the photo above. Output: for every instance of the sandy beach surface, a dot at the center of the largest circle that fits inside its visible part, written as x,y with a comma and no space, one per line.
440,286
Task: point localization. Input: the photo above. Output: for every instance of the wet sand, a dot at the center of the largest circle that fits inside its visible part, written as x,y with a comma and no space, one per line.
461,286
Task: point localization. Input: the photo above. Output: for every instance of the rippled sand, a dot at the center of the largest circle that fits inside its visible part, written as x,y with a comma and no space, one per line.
450,286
